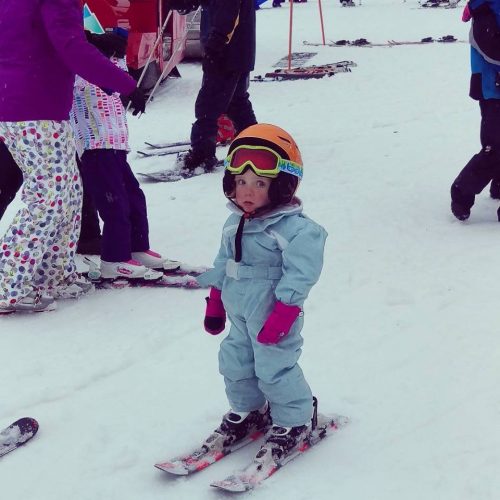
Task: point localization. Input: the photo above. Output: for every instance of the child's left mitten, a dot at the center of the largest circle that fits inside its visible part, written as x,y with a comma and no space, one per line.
278,323
215,314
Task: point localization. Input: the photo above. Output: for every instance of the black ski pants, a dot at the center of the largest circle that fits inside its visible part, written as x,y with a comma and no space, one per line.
221,92
484,166
11,178
109,180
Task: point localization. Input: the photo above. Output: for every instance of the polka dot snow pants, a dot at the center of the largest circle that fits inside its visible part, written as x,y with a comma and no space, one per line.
37,250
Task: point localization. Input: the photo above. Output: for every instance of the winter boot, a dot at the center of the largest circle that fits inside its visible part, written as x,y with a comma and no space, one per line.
75,287
35,301
129,269
236,426
461,203
192,159
495,189
281,442
154,260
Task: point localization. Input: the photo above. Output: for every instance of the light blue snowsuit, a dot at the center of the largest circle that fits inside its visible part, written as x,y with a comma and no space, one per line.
281,260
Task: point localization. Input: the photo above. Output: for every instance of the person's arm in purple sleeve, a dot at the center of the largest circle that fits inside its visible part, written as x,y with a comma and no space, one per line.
63,20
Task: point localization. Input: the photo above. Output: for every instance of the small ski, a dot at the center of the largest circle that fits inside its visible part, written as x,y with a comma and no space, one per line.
183,276
264,466
177,174
363,42
17,434
202,457
168,148
306,72
167,144
296,59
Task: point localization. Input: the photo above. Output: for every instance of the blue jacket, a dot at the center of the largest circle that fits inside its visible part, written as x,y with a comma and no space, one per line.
282,245
485,49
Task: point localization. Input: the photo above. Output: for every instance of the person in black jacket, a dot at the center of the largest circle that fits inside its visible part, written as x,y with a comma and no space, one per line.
228,40
484,166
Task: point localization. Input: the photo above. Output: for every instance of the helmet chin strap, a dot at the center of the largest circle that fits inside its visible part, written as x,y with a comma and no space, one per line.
238,247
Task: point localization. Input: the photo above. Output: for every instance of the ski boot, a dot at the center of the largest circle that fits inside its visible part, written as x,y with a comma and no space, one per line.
129,269
191,160
35,301
236,426
73,288
154,260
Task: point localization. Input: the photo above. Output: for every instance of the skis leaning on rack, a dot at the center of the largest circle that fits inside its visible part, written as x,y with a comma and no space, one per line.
17,434
260,468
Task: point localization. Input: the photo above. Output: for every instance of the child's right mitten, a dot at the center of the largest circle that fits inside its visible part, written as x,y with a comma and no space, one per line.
215,314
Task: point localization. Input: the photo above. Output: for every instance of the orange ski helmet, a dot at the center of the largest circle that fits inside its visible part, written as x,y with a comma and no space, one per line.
285,184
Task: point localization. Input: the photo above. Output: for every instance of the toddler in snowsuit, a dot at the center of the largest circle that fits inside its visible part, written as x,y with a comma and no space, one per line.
99,122
270,257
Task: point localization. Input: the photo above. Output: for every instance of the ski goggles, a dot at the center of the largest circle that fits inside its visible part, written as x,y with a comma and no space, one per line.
262,160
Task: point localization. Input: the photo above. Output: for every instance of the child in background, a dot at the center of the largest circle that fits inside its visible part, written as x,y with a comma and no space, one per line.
270,257
99,122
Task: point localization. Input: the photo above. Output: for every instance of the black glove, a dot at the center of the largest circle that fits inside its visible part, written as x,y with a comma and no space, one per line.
110,44
183,7
137,101
213,58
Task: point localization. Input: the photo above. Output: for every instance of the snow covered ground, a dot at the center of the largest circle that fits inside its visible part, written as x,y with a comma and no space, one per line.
400,332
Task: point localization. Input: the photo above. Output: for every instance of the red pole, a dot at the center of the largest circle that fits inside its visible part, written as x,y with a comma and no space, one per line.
321,19
290,36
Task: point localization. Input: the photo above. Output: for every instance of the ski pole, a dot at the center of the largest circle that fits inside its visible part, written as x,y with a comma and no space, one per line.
179,45
321,20
290,36
155,46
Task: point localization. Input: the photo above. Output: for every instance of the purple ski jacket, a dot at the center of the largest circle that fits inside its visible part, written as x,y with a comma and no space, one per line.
42,47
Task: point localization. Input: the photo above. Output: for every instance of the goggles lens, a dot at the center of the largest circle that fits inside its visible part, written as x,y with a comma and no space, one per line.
263,161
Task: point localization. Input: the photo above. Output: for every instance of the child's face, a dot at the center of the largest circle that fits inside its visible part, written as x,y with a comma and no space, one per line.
252,191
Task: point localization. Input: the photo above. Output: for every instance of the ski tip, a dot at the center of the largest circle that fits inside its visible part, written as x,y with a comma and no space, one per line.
232,486
173,468
332,420
27,425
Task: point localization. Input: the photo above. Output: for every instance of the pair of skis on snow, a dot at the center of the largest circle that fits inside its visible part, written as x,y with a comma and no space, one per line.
363,42
260,468
17,434
183,276
175,173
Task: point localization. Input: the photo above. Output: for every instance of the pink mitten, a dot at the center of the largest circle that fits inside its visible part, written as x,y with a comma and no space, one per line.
466,15
215,314
278,324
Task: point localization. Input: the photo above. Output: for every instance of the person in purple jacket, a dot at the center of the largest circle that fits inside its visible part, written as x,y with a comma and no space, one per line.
43,47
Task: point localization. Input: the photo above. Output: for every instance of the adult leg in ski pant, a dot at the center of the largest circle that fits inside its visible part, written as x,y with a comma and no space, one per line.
485,165
38,248
11,178
120,201
254,372
220,93
240,108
